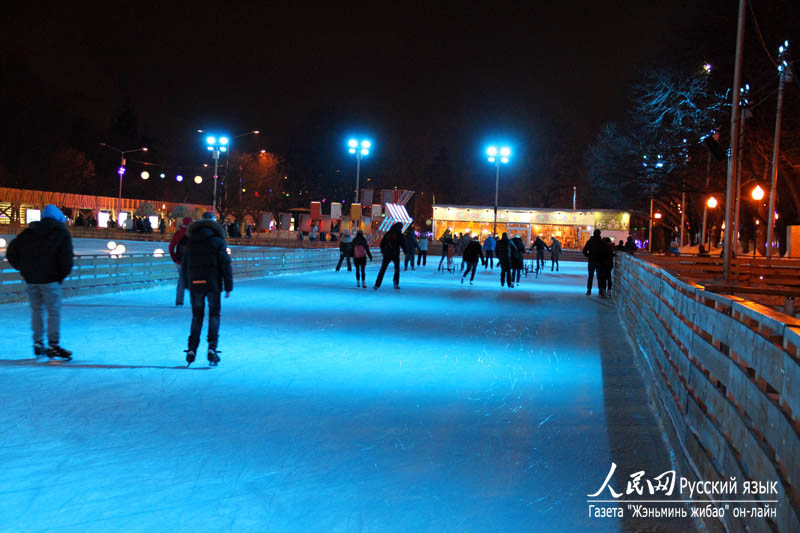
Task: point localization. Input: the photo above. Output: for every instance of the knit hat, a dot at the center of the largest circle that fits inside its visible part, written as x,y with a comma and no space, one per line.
186,221
208,215
53,212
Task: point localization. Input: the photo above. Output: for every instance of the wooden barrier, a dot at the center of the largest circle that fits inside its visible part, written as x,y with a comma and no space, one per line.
95,274
726,376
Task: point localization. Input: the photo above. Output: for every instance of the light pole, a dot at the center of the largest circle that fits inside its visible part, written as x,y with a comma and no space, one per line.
215,145
359,149
497,156
121,172
756,194
783,73
711,203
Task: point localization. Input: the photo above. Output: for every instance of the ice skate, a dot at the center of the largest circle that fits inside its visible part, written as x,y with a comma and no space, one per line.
462,281
397,287
589,292
189,356
39,349
364,284
57,351
213,357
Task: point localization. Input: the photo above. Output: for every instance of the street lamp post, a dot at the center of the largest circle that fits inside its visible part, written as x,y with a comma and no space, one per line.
711,203
783,74
121,171
359,149
215,145
756,194
497,156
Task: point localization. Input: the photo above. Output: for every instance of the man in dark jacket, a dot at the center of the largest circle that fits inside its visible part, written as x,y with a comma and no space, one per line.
472,254
517,257
411,246
503,252
43,255
391,244
176,249
597,253
539,246
206,269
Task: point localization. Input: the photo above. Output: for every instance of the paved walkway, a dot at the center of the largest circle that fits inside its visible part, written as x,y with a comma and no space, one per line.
439,407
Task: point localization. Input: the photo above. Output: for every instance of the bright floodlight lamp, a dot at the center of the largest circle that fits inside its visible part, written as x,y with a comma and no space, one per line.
223,141
365,144
145,175
162,175
359,148
210,140
712,202
657,215
256,132
492,153
198,179
505,151
757,193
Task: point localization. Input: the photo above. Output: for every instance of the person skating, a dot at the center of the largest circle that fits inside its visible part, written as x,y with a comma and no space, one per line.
472,254
555,253
446,239
176,248
463,240
411,246
539,246
422,257
43,255
391,244
345,251
630,245
360,254
517,257
503,252
608,265
489,246
596,251
207,271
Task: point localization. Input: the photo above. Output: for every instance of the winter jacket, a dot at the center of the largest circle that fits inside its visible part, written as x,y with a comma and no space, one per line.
489,244
517,252
411,242
206,265
503,252
176,245
540,245
463,242
446,236
393,241
473,252
43,252
423,244
596,250
555,249
346,246
361,241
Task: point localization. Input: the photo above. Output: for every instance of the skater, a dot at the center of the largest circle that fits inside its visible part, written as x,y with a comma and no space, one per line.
608,265
517,257
345,250
391,244
503,251
43,255
446,239
488,250
360,254
411,246
596,251
555,253
472,254
162,226
422,257
463,240
630,245
176,248
207,271
539,247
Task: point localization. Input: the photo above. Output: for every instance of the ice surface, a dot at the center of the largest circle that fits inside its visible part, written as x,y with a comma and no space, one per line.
439,407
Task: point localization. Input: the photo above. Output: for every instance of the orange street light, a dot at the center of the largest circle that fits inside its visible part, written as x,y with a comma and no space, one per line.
758,193
712,202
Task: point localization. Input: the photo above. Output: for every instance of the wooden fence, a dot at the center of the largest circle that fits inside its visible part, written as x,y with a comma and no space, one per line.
95,274
727,384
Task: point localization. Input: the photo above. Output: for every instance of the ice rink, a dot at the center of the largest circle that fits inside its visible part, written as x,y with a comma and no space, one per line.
439,407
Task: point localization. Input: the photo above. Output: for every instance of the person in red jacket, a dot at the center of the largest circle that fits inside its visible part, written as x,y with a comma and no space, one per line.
176,246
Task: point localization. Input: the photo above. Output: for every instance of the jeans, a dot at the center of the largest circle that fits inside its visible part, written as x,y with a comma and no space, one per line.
342,257
198,299
489,258
601,280
384,264
506,274
422,257
539,260
360,263
409,258
554,263
45,297
179,292
472,266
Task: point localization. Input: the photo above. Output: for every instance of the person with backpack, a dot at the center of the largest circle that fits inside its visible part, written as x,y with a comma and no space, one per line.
391,244
345,251
411,246
360,254
176,246
206,267
472,254
43,255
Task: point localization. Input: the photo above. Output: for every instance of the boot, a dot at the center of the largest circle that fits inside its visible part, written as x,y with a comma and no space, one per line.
57,351
39,349
190,354
213,357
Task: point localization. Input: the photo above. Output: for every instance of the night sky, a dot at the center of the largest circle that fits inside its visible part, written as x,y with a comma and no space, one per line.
416,79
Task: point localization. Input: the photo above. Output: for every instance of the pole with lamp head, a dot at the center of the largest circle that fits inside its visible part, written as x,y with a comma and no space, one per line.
121,172
497,156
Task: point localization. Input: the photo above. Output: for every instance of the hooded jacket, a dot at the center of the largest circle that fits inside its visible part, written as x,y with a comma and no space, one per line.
360,240
517,248
394,241
411,241
175,245
43,252
596,250
503,251
473,252
346,245
206,265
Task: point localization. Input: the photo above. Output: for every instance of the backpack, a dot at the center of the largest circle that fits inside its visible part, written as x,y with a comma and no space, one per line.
359,252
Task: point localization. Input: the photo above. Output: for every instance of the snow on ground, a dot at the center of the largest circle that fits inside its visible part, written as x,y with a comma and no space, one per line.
439,407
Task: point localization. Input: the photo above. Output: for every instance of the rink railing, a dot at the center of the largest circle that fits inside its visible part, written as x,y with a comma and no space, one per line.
727,383
96,274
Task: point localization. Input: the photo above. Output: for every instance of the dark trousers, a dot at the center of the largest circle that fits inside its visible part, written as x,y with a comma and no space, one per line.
444,255
506,274
409,257
198,299
360,263
422,257
608,275
601,280
472,266
489,259
553,263
539,260
386,260
342,257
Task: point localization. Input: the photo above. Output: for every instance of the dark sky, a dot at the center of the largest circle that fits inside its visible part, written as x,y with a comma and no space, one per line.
416,78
